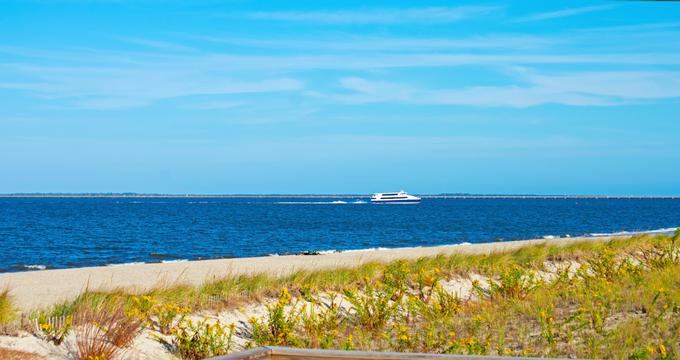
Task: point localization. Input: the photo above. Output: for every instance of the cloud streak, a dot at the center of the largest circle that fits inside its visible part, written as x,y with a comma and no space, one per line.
375,16
575,89
563,13
367,43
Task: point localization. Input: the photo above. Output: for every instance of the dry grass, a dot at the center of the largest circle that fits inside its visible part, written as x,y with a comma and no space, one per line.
103,332
9,354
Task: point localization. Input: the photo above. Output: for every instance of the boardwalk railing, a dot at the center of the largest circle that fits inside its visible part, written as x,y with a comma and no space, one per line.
282,353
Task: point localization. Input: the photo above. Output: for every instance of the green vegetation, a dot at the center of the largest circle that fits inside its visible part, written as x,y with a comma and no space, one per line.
7,313
232,292
616,300
201,340
613,299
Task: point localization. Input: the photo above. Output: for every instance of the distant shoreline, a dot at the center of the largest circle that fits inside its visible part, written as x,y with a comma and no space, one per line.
322,196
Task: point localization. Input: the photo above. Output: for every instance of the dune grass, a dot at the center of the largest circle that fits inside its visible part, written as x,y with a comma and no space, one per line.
231,292
622,300
618,298
7,312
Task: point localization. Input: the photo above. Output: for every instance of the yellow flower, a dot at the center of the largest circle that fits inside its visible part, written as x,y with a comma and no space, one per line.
662,350
403,337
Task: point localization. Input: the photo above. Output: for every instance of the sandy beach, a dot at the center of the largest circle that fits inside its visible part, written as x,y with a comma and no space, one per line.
39,289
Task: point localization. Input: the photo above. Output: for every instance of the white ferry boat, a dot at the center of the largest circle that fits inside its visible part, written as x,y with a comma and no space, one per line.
400,197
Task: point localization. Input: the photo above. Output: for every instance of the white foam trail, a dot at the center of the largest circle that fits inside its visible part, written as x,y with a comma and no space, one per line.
621,233
311,202
368,249
35,267
129,263
324,252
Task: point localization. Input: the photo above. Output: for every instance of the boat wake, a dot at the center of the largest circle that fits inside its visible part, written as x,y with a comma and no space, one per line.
336,202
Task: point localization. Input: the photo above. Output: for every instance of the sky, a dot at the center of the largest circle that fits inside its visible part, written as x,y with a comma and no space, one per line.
256,97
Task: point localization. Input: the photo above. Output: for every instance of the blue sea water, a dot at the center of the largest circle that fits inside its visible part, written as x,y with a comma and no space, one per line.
38,233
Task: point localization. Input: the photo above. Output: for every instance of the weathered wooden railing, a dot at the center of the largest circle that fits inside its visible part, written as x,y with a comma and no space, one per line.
282,353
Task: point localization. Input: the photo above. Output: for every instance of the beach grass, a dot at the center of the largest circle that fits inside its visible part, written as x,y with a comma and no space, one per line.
7,311
233,291
617,298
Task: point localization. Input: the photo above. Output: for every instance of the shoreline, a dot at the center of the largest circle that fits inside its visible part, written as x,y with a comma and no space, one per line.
313,252
32,290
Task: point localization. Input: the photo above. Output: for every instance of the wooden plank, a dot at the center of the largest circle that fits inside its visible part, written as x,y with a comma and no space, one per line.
279,353
261,353
282,353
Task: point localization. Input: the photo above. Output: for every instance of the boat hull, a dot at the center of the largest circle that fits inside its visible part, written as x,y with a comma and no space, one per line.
407,201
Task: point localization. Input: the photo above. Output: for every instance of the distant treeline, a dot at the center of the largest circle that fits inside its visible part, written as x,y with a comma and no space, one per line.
441,195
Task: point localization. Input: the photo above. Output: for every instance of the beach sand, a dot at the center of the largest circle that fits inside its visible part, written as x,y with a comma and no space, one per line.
40,289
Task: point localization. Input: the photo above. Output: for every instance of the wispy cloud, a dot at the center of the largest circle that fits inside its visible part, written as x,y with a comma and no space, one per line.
376,16
156,44
110,87
214,105
375,43
563,13
577,89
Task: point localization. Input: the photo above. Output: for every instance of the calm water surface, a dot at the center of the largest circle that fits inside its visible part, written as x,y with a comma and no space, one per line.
62,233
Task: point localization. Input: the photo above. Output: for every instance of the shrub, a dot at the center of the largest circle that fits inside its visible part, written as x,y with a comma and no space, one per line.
156,316
444,303
374,304
202,339
164,317
278,325
662,252
516,283
321,322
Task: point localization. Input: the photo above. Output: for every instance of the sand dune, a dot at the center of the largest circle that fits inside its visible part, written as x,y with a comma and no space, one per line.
39,289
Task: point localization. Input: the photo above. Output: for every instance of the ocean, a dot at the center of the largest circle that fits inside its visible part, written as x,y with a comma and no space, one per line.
52,233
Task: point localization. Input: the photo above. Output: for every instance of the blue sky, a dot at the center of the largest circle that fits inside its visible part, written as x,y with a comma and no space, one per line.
555,97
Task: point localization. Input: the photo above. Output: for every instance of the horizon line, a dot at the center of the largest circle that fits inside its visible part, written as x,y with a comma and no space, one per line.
322,195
